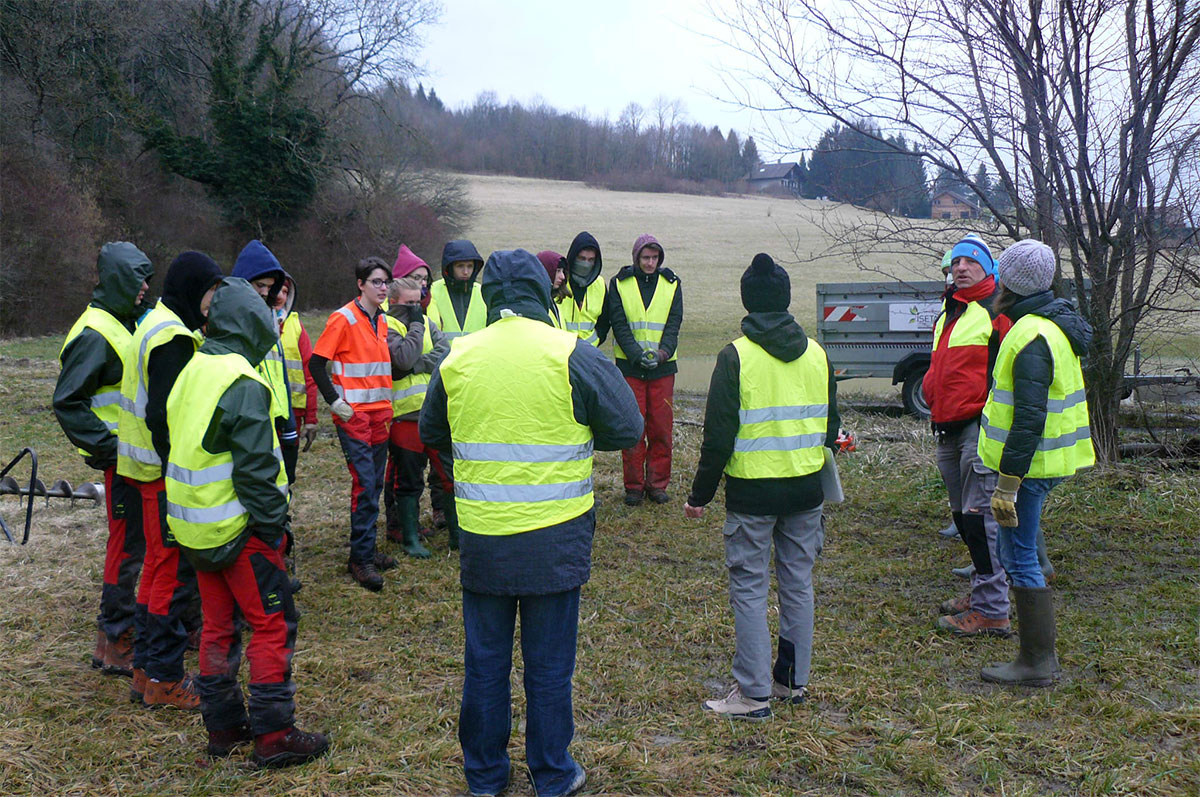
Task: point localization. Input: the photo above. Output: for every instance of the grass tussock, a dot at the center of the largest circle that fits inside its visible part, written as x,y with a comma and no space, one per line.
897,708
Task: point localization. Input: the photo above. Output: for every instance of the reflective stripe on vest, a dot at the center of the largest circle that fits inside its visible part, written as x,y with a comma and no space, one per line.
136,457
408,393
646,323
441,310
105,403
361,369
527,463
1066,444
783,413
581,319
292,361
202,504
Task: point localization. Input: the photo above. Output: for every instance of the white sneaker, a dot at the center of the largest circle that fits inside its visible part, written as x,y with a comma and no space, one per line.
739,707
796,696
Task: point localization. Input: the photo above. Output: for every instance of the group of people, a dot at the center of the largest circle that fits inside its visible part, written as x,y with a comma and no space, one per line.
194,410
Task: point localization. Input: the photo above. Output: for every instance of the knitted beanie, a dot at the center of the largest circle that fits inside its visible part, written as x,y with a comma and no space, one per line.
972,246
766,288
1027,267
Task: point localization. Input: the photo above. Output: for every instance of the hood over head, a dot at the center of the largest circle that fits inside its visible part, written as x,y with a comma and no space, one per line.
644,240
456,250
239,322
1062,313
516,281
189,277
551,261
778,333
584,240
121,268
407,262
256,260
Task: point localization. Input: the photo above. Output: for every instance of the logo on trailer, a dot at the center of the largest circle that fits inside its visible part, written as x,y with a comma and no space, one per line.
844,312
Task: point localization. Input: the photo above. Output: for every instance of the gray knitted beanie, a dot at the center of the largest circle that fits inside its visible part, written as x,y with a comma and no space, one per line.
1027,267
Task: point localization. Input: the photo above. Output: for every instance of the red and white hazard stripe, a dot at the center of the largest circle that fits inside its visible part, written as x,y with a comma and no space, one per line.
843,312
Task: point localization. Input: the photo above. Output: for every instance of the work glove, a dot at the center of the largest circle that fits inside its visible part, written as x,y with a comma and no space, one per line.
662,356
341,409
410,314
1004,500
309,434
649,359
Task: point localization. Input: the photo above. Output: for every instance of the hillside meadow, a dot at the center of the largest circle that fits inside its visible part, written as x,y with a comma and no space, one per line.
896,708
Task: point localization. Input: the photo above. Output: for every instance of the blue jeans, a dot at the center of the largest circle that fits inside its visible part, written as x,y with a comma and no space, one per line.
549,626
1018,546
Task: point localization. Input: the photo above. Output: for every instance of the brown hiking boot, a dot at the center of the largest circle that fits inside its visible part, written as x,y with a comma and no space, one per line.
395,535
383,561
438,518
98,653
138,687
176,694
658,495
221,743
956,605
118,655
287,747
366,575
972,623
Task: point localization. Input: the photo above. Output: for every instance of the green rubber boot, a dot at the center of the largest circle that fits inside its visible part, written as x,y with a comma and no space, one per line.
452,522
1036,663
410,521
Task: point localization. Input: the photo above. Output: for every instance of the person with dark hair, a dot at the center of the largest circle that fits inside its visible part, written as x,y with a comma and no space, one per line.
355,344
227,505
582,298
162,345
523,405
772,409
560,289
86,401
645,308
1034,433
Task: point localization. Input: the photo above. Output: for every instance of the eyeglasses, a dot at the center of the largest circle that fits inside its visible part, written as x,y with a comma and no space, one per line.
377,282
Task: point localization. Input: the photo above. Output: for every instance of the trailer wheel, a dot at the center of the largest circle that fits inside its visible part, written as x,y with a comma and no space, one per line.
913,396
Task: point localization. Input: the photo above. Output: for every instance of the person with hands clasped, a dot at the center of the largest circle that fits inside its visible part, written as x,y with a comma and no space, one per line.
1034,433
771,410
354,346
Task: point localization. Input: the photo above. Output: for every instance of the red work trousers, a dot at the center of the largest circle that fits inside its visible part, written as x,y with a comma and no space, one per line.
122,556
647,466
168,585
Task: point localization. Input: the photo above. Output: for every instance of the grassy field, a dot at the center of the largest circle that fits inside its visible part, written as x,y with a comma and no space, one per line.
898,708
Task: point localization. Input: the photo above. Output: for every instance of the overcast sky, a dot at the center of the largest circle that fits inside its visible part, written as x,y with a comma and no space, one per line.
596,56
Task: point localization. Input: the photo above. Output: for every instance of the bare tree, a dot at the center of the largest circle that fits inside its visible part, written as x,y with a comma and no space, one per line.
1087,112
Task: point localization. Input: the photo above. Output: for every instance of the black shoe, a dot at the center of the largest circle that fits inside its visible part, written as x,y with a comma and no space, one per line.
659,496
294,747
383,561
366,575
633,497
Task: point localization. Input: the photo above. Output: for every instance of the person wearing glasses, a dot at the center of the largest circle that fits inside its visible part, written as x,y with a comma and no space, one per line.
354,349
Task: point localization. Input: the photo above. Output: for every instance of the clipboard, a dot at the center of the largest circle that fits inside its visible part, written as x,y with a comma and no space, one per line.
831,482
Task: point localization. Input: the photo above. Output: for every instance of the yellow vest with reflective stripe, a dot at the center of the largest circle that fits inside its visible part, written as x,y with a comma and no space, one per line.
973,327
105,401
441,310
646,323
581,318
525,463
136,457
783,413
289,336
202,504
408,393
1066,444
272,370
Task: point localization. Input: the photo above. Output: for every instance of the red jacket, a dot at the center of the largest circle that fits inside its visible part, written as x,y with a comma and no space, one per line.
965,339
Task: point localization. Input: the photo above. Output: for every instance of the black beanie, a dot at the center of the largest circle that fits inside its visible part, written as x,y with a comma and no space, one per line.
766,287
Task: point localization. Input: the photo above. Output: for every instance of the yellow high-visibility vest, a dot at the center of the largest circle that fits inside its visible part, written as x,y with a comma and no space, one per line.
408,393
273,372
106,400
646,323
136,457
1066,444
202,505
293,364
783,413
973,327
526,463
441,310
581,318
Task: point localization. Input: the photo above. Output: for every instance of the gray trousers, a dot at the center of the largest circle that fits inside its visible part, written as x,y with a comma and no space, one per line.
798,539
970,485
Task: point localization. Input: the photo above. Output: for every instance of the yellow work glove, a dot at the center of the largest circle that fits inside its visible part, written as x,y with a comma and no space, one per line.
1004,500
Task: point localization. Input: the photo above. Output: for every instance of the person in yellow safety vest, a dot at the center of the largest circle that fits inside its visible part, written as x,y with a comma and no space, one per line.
556,269
523,406
645,308
1034,432
227,504
162,345
772,409
456,305
297,349
586,311
86,403
416,346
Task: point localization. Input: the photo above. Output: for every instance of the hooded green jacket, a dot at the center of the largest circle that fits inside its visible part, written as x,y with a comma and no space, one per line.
89,362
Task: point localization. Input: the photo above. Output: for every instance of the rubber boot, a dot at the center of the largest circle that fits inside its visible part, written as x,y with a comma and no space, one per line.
410,521
452,523
1036,664
1043,557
